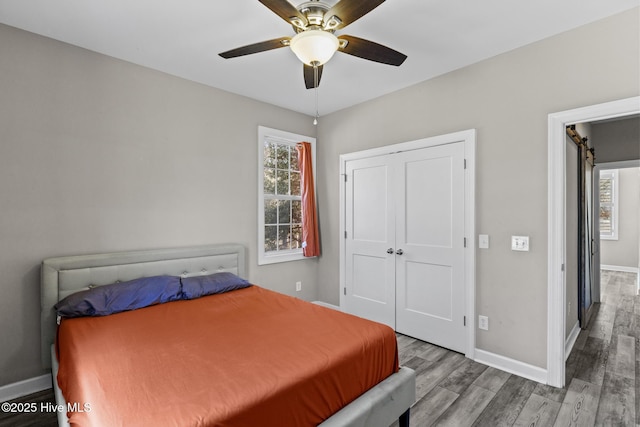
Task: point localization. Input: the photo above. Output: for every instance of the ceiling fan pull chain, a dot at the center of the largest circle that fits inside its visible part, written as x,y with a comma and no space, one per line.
315,83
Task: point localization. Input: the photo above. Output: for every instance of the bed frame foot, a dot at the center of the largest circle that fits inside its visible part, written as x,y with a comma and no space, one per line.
404,418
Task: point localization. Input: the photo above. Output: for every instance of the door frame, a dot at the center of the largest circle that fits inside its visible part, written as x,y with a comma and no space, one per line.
556,253
623,164
468,138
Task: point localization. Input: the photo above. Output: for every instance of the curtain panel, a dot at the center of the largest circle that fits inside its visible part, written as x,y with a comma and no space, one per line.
310,234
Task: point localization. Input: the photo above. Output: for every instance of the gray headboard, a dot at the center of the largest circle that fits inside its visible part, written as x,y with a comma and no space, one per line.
65,275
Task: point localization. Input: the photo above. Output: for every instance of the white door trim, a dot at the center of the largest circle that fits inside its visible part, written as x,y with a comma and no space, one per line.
468,137
556,292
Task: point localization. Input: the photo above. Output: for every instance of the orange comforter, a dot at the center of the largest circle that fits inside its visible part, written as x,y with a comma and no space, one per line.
249,357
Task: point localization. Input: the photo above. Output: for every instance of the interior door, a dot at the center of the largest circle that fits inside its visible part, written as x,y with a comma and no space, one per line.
370,261
587,284
572,236
430,293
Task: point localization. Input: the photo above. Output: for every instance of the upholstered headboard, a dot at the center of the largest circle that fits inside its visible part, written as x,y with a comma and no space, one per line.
65,275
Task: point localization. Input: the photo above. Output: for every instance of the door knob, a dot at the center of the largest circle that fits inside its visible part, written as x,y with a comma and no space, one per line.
399,252
390,250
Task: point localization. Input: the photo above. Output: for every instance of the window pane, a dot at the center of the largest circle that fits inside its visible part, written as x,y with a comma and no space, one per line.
269,181
269,155
296,211
284,237
270,212
279,196
284,212
605,220
294,159
270,235
282,157
296,236
606,194
282,182
295,184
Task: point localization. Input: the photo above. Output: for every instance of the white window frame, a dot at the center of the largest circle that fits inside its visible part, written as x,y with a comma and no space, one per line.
613,175
281,137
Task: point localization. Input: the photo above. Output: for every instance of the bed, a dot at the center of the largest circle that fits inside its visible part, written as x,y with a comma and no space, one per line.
305,387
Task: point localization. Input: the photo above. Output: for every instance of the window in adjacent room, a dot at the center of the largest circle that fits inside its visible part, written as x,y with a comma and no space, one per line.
609,204
279,196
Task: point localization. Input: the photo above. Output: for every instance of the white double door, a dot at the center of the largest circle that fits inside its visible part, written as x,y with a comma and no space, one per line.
404,249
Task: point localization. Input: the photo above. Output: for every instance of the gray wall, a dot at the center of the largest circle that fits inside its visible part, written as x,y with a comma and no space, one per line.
507,99
101,155
624,251
617,140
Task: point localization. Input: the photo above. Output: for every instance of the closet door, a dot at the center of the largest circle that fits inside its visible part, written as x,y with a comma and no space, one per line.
370,253
404,243
430,290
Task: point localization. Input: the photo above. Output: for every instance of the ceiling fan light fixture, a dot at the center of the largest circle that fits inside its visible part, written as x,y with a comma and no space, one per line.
314,47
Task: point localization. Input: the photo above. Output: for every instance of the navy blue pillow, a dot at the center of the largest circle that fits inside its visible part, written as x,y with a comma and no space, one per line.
197,286
123,296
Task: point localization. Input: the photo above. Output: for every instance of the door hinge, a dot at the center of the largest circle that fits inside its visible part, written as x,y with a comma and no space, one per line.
345,290
345,177
345,234
464,320
465,163
465,242
562,267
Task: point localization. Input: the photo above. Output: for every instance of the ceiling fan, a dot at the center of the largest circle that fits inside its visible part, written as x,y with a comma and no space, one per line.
315,43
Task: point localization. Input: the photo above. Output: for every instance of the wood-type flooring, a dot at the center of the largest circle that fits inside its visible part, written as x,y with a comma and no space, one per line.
601,387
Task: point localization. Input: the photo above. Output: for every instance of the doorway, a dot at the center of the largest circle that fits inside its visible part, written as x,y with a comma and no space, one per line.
556,273
619,229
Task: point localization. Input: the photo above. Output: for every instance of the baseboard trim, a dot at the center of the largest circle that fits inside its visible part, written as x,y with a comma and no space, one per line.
25,387
512,366
326,304
571,340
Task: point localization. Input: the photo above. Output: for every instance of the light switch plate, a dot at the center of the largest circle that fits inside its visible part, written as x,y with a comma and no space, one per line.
483,241
519,243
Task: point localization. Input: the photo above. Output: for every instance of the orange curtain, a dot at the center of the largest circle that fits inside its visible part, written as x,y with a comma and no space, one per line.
310,235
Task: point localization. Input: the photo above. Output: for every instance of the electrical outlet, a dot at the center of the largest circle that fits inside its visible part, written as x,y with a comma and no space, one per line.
483,323
298,286
520,243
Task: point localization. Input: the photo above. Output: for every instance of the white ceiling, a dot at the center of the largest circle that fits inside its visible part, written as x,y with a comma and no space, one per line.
184,37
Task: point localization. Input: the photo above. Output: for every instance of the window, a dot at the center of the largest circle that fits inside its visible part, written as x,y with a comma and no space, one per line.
279,196
609,204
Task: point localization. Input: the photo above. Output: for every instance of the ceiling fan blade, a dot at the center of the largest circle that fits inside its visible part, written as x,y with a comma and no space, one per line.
309,76
372,51
351,10
284,10
256,47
